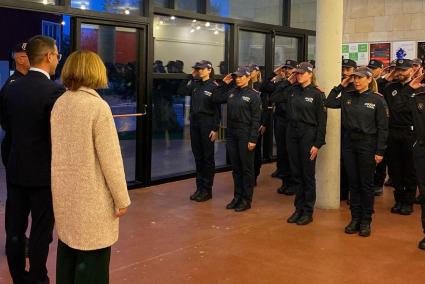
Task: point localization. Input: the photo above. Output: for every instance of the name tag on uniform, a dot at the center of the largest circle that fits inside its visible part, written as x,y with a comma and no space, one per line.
394,93
247,99
370,105
207,93
309,100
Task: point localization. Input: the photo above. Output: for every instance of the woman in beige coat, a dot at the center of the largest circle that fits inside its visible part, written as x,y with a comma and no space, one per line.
88,182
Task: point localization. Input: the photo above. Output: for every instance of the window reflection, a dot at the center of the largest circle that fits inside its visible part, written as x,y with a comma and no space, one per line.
285,48
303,14
124,7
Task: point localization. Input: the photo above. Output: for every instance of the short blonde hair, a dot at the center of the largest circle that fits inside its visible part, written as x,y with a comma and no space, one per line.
84,68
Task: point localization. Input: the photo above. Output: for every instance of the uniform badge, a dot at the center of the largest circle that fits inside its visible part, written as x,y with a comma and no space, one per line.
247,99
348,102
420,106
370,105
394,93
309,100
207,93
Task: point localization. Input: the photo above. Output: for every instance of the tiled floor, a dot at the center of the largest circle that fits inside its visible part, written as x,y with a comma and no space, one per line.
165,238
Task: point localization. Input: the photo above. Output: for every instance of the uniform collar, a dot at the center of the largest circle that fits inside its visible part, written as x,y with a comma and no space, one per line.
41,71
89,91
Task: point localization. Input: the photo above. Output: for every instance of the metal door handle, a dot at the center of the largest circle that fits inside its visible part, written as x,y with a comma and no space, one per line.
131,114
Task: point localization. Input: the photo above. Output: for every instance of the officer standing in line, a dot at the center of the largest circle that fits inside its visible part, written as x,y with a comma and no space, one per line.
365,122
204,126
256,83
243,122
305,135
377,67
401,138
417,107
22,66
346,86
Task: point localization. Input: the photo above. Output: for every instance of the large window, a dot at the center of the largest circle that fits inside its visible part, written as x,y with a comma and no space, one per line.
45,2
270,11
285,48
179,43
124,7
162,3
303,14
188,5
311,48
252,48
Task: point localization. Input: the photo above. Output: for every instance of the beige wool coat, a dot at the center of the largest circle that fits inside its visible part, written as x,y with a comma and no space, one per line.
88,181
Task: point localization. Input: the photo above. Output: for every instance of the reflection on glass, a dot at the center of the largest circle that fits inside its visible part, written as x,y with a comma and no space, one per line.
303,14
188,5
45,2
161,3
252,48
311,48
269,11
285,48
179,43
121,64
171,149
124,7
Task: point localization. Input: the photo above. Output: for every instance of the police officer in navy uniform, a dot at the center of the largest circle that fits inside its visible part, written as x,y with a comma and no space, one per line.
365,120
305,135
204,126
256,84
417,107
346,86
22,65
243,122
401,138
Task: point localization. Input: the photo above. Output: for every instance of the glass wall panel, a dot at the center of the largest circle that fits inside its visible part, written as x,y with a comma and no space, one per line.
188,5
179,43
124,7
45,2
270,11
252,48
311,48
121,65
303,14
161,3
285,48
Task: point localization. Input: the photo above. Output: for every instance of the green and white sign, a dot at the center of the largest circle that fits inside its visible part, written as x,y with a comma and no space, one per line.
358,52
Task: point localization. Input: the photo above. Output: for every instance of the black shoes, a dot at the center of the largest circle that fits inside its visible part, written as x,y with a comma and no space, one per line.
379,190
389,182
233,203
203,196
422,244
294,217
285,190
304,220
406,209
364,230
275,174
353,227
242,206
195,194
396,208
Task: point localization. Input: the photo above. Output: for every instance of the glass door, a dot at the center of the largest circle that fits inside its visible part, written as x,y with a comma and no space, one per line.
121,49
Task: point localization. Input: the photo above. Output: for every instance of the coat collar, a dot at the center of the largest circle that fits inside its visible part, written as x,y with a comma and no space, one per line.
89,91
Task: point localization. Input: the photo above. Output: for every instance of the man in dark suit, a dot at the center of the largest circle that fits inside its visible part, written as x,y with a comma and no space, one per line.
25,116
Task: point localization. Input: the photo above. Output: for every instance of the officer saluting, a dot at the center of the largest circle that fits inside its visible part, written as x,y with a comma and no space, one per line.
365,120
401,138
243,122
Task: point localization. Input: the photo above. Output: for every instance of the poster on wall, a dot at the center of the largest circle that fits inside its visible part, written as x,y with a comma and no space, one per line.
421,50
403,49
381,51
358,52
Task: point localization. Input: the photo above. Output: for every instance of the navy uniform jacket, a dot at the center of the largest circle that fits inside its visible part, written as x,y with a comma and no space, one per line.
5,146
201,103
25,117
365,113
243,108
265,105
397,93
281,107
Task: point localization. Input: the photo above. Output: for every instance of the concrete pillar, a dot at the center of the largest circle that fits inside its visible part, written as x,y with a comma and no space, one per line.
328,70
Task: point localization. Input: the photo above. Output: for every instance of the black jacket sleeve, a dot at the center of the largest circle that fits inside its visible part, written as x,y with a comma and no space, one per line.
321,114
186,87
333,101
266,111
221,93
382,115
403,105
280,94
268,86
255,119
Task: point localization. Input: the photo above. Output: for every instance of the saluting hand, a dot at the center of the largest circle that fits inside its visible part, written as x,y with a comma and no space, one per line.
378,159
346,81
417,82
121,212
213,135
228,79
313,153
293,78
390,76
251,146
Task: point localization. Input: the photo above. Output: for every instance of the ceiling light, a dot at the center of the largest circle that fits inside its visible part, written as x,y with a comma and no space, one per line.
127,11
161,22
172,18
198,27
216,32
83,7
63,23
45,2
207,24
192,30
194,21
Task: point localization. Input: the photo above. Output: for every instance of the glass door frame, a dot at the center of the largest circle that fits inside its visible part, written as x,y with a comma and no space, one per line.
142,167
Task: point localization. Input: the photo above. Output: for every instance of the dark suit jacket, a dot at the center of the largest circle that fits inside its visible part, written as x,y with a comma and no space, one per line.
25,116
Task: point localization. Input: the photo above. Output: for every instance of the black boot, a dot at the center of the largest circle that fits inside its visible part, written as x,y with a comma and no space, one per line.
203,196
422,244
389,182
304,220
242,206
195,194
406,209
397,206
294,217
364,230
378,190
233,203
353,227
